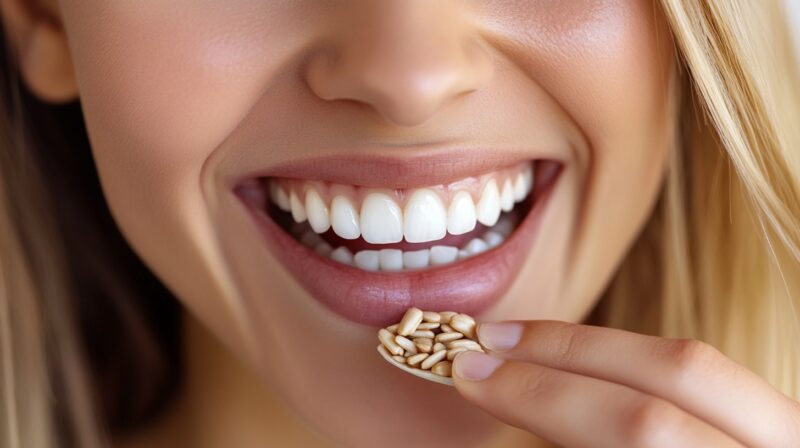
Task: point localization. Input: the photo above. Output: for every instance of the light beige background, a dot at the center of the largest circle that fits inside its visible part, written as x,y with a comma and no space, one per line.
794,17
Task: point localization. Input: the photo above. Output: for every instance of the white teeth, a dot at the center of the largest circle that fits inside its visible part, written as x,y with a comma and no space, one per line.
416,259
461,214
278,197
368,260
488,208
391,259
342,255
397,260
476,246
520,190
443,255
381,219
507,196
424,218
317,212
344,218
492,238
298,211
378,219
528,176
504,227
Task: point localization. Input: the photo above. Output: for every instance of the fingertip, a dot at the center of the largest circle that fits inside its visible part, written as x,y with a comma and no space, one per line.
474,366
500,336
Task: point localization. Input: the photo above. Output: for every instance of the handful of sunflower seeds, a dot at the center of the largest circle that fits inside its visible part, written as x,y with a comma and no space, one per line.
424,343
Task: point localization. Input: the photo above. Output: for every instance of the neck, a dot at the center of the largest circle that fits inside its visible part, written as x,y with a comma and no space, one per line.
229,405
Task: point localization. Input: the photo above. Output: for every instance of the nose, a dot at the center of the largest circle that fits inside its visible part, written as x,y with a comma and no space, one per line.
404,59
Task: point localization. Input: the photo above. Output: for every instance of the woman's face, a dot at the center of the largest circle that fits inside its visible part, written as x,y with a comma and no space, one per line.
384,124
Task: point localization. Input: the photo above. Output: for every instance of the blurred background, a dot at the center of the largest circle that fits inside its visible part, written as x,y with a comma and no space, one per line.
794,16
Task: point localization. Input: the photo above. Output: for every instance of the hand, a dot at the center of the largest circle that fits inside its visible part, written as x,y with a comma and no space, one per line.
580,386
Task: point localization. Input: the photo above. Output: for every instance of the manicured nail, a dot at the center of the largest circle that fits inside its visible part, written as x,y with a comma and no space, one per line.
499,336
475,366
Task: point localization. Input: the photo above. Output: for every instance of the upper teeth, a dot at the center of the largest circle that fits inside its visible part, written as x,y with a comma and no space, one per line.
488,207
425,216
344,218
381,219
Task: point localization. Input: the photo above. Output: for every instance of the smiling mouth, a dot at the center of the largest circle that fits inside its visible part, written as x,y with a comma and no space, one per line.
370,252
402,229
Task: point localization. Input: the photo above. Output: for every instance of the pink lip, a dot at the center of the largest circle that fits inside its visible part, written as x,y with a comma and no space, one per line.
374,298
399,168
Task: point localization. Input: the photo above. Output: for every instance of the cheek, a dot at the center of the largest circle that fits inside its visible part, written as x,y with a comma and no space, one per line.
620,98
161,89
607,64
164,86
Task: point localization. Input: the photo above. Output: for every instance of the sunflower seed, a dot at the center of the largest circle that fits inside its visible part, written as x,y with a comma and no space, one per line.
454,351
446,337
423,334
463,324
425,343
416,359
446,316
406,344
431,316
466,343
387,339
443,368
433,359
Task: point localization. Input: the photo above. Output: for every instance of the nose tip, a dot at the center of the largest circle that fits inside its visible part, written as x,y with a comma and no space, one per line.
405,71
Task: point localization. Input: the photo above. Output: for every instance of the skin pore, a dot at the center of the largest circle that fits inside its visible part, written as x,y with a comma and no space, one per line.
183,97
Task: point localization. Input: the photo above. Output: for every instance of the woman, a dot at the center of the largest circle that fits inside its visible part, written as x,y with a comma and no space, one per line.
609,186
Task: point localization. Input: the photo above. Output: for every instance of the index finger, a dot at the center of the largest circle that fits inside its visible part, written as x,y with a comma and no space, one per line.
572,410
690,373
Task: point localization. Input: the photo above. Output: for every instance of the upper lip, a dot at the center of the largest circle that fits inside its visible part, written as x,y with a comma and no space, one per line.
393,167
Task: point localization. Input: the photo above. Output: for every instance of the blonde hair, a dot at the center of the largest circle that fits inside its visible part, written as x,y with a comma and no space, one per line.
723,246
719,259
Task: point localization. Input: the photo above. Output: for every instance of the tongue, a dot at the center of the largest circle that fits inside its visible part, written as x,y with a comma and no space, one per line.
359,244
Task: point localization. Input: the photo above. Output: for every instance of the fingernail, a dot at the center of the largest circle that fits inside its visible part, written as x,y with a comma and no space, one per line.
475,366
499,336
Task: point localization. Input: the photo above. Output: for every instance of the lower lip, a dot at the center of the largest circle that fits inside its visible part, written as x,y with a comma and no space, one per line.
379,299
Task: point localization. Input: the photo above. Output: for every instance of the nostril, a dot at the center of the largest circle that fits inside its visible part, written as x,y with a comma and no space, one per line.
320,74
404,96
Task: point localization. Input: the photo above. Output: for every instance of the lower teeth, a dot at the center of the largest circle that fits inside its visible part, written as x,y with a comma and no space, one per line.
393,260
